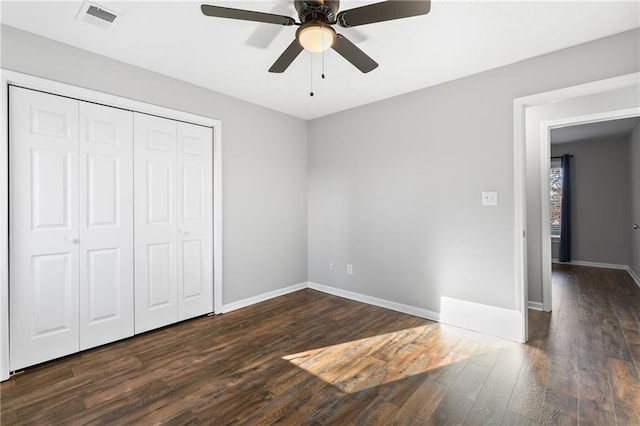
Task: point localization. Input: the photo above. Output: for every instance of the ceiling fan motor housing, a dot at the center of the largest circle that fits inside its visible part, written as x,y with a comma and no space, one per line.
317,10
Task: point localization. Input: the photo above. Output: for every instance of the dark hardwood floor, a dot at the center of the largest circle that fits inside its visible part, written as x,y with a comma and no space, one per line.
311,358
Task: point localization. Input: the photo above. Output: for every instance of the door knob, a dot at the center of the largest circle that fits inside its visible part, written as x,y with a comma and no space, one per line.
183,232
636,226
72,240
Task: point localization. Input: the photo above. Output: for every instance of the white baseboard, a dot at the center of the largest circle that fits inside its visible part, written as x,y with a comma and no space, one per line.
536,305
635,276
627,268
370,300
592,264
486,319
262,297
491,320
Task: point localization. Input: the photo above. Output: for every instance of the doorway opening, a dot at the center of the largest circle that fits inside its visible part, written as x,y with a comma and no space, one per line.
534,118
559,134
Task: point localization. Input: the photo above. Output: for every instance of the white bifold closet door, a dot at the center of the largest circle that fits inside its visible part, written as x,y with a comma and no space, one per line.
173,221
106,224
71,218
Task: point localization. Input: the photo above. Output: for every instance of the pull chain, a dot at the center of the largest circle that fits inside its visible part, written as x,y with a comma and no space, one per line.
311,74
323,55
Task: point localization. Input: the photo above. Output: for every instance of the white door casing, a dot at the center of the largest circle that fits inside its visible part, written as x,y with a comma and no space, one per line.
44,227
194,215
106,224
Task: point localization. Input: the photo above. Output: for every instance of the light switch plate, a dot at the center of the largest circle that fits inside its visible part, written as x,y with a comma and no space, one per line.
490,198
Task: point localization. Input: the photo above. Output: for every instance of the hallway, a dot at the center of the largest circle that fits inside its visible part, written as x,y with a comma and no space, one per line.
591,342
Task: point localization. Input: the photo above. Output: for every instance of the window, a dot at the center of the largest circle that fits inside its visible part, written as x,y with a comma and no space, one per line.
555,196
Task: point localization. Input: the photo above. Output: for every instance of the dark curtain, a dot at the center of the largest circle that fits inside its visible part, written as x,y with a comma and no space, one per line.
565,212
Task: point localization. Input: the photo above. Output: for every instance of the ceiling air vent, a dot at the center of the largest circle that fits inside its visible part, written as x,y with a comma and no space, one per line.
97,15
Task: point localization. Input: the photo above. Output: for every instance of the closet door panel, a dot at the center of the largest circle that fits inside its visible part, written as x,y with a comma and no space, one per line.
195,194
106,224
155,222
44,252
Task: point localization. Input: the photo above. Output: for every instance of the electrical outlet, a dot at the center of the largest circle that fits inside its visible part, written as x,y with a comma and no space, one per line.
331,266
349,269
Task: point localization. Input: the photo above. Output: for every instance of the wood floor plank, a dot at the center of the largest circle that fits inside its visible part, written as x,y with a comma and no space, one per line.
614,343
294,392
397,392
491,404
625,387
313,358
460,397
377,413
419,408
510,419
528,395
595,405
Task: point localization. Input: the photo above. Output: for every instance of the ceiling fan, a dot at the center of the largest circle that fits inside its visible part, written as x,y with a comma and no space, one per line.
315,32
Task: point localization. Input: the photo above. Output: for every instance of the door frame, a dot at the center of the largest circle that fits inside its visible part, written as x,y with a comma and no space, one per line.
545,163
7,78
520,106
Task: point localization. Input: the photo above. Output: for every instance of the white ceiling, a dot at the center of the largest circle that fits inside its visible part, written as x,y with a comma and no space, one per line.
602,129
457,38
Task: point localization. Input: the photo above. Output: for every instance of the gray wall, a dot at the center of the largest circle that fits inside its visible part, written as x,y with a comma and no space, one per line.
395,186
634,148
264,158
600,203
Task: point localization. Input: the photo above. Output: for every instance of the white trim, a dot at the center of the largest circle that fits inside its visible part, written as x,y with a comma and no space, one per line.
486,319
545,224
4,228
491,320
217,218
519,136
263,297
81,93
593,87
592,264
370,300
8,77
634,276
587,119
537,306
520,218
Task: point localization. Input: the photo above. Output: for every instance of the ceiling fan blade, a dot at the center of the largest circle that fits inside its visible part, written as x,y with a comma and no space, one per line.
385,11
287,57
353,54
264,35
246,15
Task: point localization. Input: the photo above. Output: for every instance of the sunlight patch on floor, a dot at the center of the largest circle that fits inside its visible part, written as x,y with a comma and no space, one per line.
361,364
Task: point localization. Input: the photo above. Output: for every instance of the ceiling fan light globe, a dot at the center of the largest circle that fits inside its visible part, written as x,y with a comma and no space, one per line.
316,38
